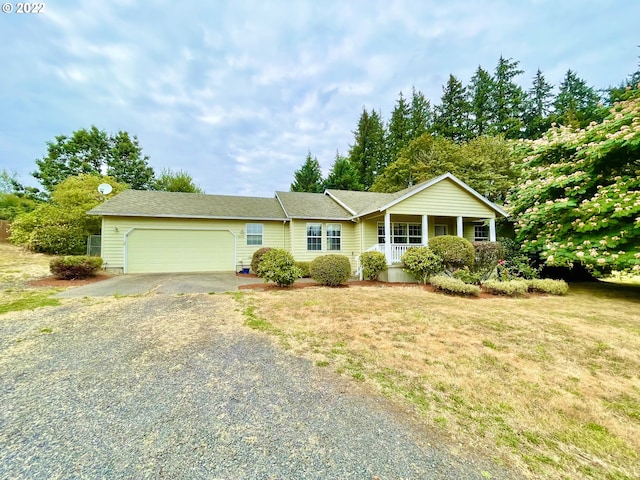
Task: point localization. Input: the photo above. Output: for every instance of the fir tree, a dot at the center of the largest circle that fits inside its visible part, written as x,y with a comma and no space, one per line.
309,177
343,176
452,115
367,155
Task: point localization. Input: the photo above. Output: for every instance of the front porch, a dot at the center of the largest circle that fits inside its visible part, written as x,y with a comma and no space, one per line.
397,233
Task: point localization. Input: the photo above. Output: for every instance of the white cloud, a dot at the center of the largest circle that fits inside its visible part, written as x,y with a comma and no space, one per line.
238,92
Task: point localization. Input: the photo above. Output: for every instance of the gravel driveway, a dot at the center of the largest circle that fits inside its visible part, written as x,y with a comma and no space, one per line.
166,386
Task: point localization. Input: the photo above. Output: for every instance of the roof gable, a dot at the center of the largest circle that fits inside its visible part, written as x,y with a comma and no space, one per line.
404,194
364,203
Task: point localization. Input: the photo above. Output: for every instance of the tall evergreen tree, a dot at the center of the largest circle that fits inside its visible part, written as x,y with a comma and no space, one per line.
482,102
509,99
309,177
367,155
420,115
577,103
399,129
452,115
343,176
538,107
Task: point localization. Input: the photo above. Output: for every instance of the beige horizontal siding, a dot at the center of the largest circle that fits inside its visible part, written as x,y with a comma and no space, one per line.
114,229
350,245
443,198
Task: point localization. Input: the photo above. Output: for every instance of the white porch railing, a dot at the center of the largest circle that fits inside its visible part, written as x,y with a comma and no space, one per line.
397,251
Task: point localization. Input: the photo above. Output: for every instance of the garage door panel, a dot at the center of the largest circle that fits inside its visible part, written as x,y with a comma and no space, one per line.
164,250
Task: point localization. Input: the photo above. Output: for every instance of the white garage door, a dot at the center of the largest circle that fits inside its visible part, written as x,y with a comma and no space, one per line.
157,251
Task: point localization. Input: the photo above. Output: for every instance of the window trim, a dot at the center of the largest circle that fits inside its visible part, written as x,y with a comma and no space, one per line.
314,237
253,234
406,235
485,236
330,238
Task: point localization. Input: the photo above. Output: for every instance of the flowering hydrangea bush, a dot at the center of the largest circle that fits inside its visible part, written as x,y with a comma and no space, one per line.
578,198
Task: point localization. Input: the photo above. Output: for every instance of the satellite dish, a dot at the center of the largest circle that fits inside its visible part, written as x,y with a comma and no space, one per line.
105,188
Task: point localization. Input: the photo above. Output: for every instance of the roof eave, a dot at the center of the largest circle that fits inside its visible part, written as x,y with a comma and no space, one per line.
201,217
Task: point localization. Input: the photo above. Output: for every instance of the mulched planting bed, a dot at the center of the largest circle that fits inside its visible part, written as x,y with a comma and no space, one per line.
56,282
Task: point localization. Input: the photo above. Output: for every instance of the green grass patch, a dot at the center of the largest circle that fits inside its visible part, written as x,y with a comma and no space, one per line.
17,300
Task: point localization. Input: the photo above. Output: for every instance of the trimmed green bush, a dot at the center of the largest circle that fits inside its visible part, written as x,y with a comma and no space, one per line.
373,264
330,270
548,285
456,252
73,267
422,263
278,265
255,259
454,286
511,288
304,269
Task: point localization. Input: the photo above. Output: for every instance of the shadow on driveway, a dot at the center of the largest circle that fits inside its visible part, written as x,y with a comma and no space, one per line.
165,283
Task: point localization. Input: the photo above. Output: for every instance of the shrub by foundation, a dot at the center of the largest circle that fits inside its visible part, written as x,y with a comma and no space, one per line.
304,269
255,259
422,263
456,252
75,266
277,265
454,286
330,270
373,264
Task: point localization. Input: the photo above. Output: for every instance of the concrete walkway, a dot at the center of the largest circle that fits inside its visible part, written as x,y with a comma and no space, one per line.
165,283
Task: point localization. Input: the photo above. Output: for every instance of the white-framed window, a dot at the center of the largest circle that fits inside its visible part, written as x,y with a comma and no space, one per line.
440,230
402,233
399,233
380,232
314,236
415,233
254,233
481,233
334,233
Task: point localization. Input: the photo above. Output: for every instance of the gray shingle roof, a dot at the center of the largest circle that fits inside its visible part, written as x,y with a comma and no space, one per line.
140,203
312,205
366,202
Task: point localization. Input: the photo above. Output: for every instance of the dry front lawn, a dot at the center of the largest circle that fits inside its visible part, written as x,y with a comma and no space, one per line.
547,385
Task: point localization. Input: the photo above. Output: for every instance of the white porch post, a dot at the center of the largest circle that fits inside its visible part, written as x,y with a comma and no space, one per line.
460,227
387,237
492,229
425,229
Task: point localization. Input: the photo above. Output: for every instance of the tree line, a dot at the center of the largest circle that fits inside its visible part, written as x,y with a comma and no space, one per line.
420,137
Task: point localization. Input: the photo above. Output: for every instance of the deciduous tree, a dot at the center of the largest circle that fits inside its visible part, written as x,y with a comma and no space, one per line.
94,152
175,181
578,195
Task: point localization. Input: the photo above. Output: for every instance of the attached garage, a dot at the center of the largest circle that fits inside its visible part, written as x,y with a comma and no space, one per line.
150,250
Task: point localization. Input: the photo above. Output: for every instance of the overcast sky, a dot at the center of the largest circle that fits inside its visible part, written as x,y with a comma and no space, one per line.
237,92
